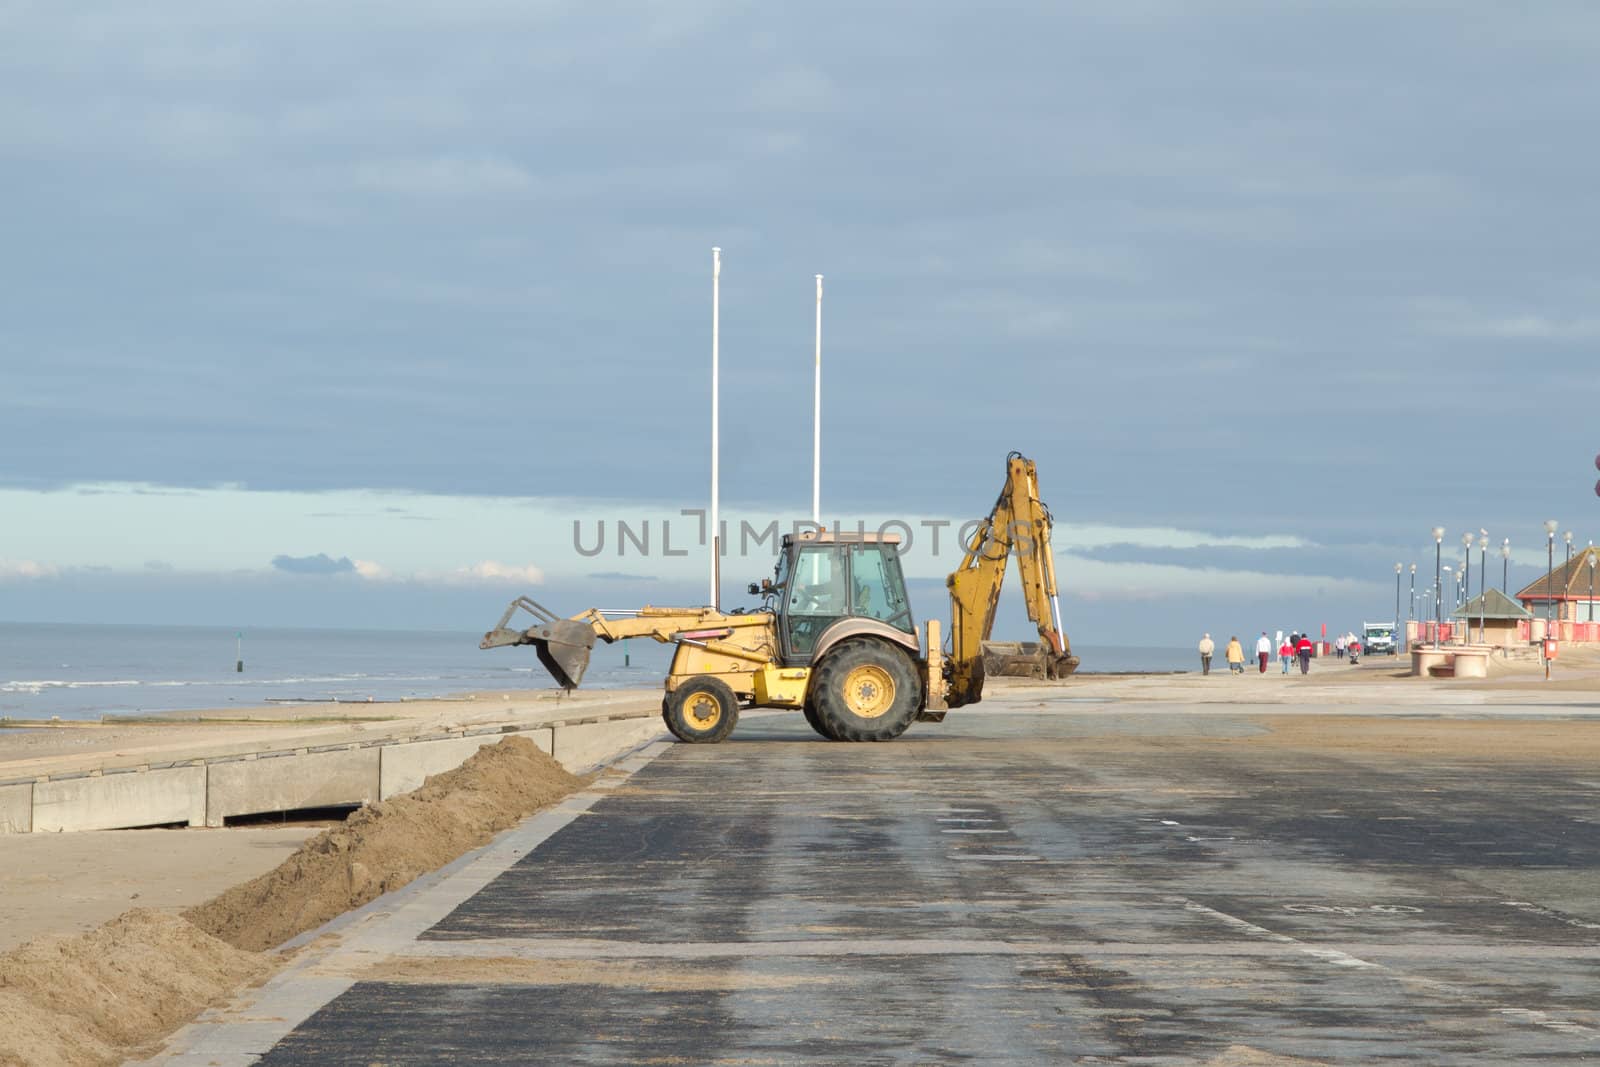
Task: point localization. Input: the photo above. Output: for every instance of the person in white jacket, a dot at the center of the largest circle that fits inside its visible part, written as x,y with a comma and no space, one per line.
1207,647
1264,651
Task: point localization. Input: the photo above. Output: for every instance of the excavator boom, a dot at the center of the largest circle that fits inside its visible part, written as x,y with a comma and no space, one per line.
1019,525
564,645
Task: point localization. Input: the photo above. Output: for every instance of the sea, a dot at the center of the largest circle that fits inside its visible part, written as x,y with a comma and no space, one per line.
91,672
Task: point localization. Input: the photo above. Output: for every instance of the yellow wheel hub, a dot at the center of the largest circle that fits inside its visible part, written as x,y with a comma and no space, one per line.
869,691
702,711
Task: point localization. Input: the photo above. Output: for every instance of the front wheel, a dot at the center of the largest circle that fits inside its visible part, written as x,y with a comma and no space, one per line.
701,711
866,691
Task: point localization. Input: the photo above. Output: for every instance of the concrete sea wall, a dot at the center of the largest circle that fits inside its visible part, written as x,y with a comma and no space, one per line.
208,790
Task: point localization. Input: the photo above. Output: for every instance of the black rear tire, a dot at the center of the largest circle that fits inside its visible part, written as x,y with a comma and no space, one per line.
810,711
866,690
701,711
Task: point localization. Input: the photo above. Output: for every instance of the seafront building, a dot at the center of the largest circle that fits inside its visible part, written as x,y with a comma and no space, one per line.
1492,618
1567,597
1563,604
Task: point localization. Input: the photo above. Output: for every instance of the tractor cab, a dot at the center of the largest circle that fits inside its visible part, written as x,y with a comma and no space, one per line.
825,579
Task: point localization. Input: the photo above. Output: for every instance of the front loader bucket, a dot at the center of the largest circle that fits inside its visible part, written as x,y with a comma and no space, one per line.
563,646
1026,659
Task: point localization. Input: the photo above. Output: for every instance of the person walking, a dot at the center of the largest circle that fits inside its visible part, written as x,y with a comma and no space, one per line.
1303,650
1264,650
1207,647
1235,655
1286,652
1338,646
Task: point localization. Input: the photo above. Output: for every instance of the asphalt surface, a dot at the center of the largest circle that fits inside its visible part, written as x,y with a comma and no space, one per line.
1014,887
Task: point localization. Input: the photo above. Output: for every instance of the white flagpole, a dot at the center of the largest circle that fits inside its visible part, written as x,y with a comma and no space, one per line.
816,437
716,292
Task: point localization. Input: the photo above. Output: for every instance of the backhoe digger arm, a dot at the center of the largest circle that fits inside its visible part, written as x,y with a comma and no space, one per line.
564,645
1018,525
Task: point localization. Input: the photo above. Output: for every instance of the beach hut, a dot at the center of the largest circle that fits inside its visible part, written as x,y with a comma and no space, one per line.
1501,619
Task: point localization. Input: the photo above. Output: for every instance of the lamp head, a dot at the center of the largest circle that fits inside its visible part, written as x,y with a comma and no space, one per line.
1466,538
1550,526
1398,568
1567,537
1438,534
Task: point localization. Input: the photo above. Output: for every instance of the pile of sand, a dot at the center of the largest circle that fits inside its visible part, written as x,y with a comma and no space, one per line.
103,996
96,997
384,846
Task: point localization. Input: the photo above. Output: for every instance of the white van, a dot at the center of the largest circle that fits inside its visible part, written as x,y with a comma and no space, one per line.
1378,637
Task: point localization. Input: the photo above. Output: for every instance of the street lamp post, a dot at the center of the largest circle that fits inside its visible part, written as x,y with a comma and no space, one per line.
1466,569
1550,572
1398,568
1438,584
1566,572
1593,559
1483,585
1505,566
1455,583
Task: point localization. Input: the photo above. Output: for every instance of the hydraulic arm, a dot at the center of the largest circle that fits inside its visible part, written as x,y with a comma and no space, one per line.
564,645
1019,525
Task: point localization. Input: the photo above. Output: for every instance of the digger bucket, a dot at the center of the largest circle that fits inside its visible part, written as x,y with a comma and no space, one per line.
1026,659
563,646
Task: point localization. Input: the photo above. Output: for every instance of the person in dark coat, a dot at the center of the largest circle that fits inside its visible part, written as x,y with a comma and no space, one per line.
1303,650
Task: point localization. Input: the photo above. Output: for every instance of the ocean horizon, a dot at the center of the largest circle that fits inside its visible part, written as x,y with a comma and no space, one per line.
85,672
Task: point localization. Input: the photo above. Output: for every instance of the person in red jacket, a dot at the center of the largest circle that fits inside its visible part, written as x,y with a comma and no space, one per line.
1303,650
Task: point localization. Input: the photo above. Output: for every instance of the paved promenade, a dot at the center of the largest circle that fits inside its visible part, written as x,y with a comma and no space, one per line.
1016,886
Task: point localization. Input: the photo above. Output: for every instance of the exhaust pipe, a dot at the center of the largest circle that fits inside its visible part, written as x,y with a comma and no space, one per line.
562,645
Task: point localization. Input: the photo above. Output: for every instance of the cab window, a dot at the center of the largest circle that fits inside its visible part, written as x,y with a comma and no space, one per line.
817,585
877,588
816,597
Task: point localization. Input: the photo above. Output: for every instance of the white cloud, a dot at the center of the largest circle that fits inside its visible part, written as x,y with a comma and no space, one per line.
489,571
1094,536
1098,580
26,568
503,534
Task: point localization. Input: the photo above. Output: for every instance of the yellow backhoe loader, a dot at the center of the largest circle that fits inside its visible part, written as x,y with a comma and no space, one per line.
835,637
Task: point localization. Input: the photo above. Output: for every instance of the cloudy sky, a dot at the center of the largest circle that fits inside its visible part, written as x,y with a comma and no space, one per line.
345,314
